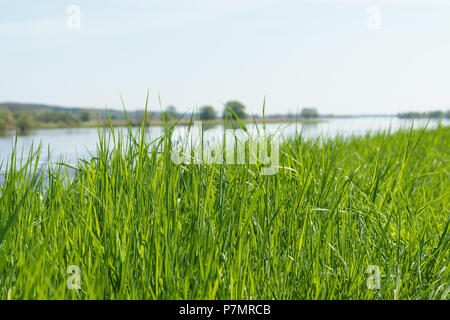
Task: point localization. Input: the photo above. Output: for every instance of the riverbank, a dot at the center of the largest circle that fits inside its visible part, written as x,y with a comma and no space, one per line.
182,122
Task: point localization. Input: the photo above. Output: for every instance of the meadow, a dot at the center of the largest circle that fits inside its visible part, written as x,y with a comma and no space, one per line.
136,225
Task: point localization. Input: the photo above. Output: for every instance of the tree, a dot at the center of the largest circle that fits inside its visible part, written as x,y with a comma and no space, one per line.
309,113
24,121
237,107
85,116
207,113
436,114
171,113
139,115
57,117
6,120
68,118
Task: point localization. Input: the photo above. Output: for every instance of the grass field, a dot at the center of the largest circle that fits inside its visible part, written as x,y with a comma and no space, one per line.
138,226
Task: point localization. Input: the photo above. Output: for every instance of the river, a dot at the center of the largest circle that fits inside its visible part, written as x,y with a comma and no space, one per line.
68,145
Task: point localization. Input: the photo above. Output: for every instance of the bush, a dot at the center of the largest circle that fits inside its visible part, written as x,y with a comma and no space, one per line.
139,118
85,116
170,114
24,122
207,113
237,107
63,117
6,120
309,113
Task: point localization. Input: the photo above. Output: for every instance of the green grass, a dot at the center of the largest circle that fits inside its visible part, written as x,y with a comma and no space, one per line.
141,227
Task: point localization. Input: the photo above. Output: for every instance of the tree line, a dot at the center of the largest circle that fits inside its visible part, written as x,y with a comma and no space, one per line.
430,114
24,117
24,120
233,109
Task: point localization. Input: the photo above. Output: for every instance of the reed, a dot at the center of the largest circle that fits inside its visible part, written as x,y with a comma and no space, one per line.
139,226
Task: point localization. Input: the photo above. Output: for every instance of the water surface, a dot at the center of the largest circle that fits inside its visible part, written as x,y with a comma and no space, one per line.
71,144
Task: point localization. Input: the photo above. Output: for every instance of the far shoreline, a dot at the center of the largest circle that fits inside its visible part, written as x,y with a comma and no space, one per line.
160,123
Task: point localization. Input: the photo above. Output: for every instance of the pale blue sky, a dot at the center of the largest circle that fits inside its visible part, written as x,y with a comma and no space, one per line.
192,53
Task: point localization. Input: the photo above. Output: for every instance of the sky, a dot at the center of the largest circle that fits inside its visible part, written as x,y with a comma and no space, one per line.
341,57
